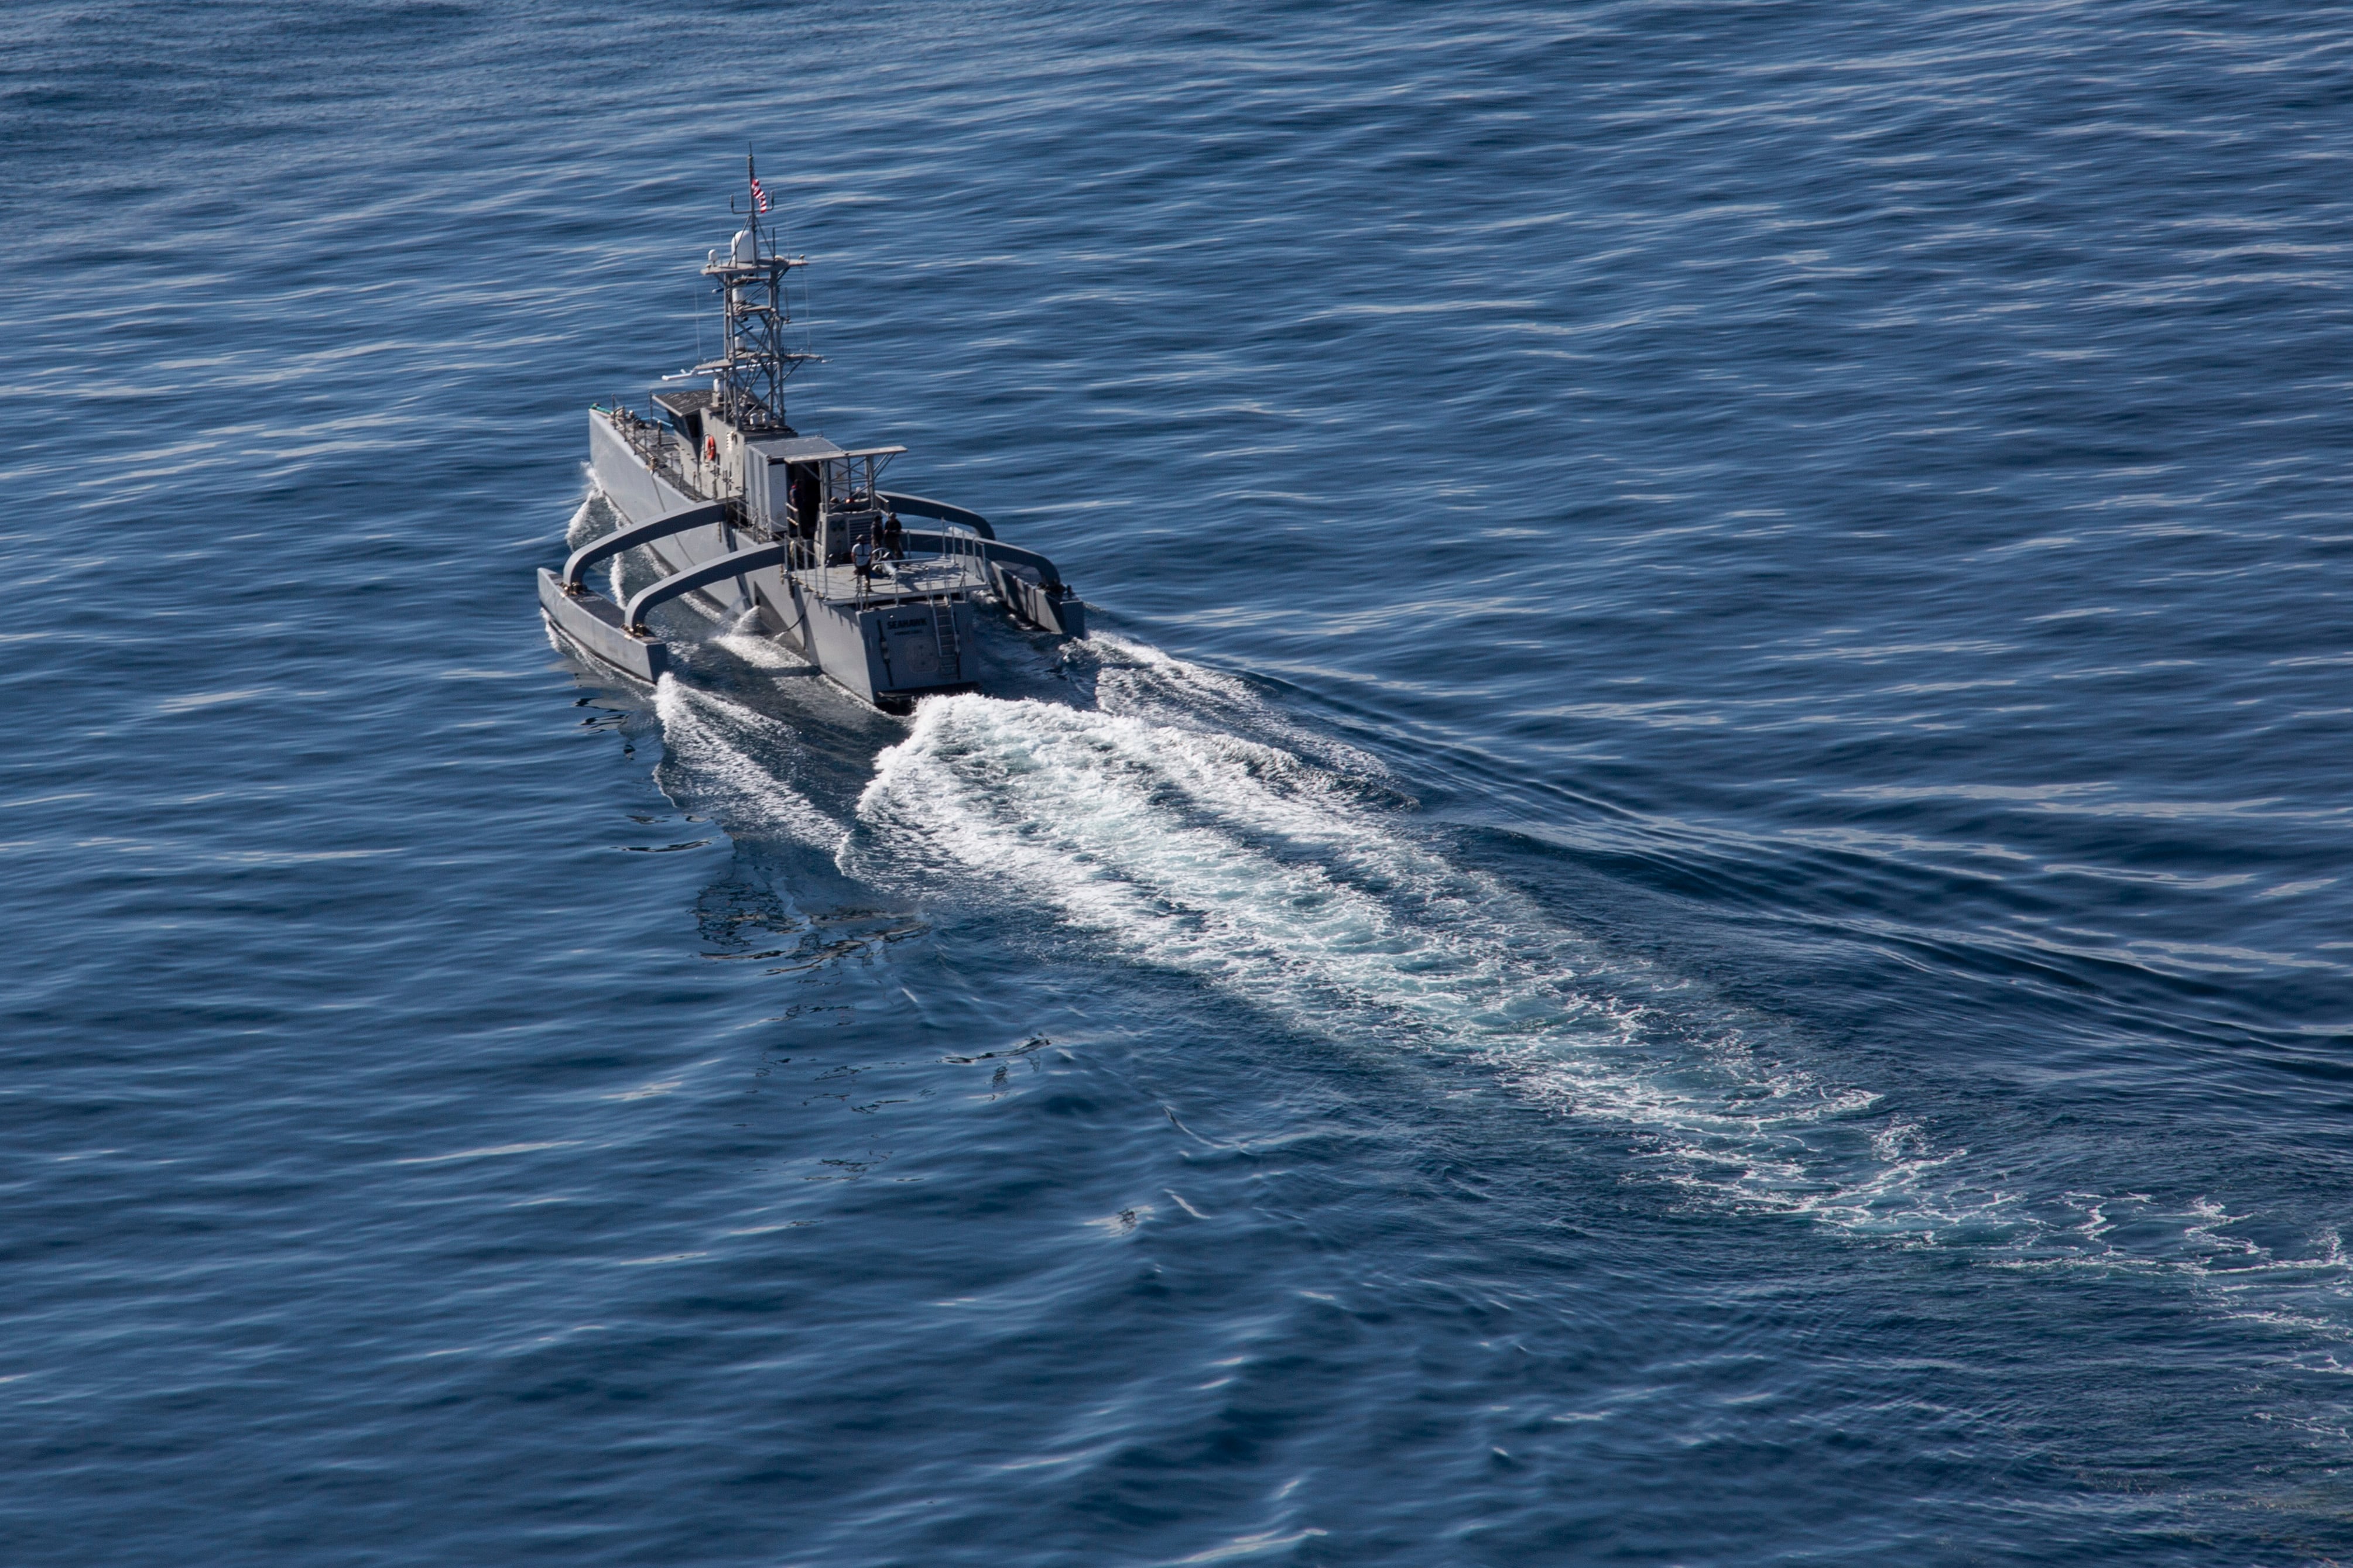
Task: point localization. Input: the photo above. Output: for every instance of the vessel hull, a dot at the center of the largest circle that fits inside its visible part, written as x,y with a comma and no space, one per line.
856,644
592,625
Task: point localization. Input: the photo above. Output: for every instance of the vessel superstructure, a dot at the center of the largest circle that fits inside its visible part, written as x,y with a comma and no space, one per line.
785,530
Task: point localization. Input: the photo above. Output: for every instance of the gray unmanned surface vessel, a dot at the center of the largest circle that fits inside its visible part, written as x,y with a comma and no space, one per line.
735,506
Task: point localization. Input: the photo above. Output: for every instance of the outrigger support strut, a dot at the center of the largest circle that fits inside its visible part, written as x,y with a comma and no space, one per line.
923,506
758,558
576,569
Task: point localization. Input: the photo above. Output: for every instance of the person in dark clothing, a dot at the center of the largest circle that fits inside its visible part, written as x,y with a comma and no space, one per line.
894,538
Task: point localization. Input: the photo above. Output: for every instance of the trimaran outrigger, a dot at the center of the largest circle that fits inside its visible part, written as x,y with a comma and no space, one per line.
737,507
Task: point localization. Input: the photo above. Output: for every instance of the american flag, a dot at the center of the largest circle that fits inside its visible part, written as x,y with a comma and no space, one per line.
759,196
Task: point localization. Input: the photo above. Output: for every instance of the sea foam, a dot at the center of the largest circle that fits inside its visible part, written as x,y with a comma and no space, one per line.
1242,863
738,760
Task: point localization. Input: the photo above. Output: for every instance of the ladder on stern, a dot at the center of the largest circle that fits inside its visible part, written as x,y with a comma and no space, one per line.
944,630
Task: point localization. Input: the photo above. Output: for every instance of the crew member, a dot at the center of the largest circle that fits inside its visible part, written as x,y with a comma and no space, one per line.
862,561
894,538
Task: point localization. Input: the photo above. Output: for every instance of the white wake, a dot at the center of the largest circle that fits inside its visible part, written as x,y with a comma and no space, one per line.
1238,861
1153,823
740,762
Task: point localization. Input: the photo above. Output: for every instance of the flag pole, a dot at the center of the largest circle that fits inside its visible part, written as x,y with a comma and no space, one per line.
752,177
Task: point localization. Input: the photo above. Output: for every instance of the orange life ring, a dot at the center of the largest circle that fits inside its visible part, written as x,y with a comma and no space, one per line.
711,449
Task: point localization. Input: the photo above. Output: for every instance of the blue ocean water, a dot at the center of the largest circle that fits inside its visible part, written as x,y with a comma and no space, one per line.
1694,907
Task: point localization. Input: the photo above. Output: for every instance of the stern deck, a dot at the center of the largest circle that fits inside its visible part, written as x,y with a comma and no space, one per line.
893,581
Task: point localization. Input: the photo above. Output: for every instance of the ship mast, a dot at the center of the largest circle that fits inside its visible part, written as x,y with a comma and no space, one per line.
748,376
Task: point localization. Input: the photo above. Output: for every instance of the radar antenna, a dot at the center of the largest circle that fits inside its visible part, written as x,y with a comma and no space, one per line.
753,363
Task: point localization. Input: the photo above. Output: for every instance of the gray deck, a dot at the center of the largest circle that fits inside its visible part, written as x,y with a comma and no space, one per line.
893,580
